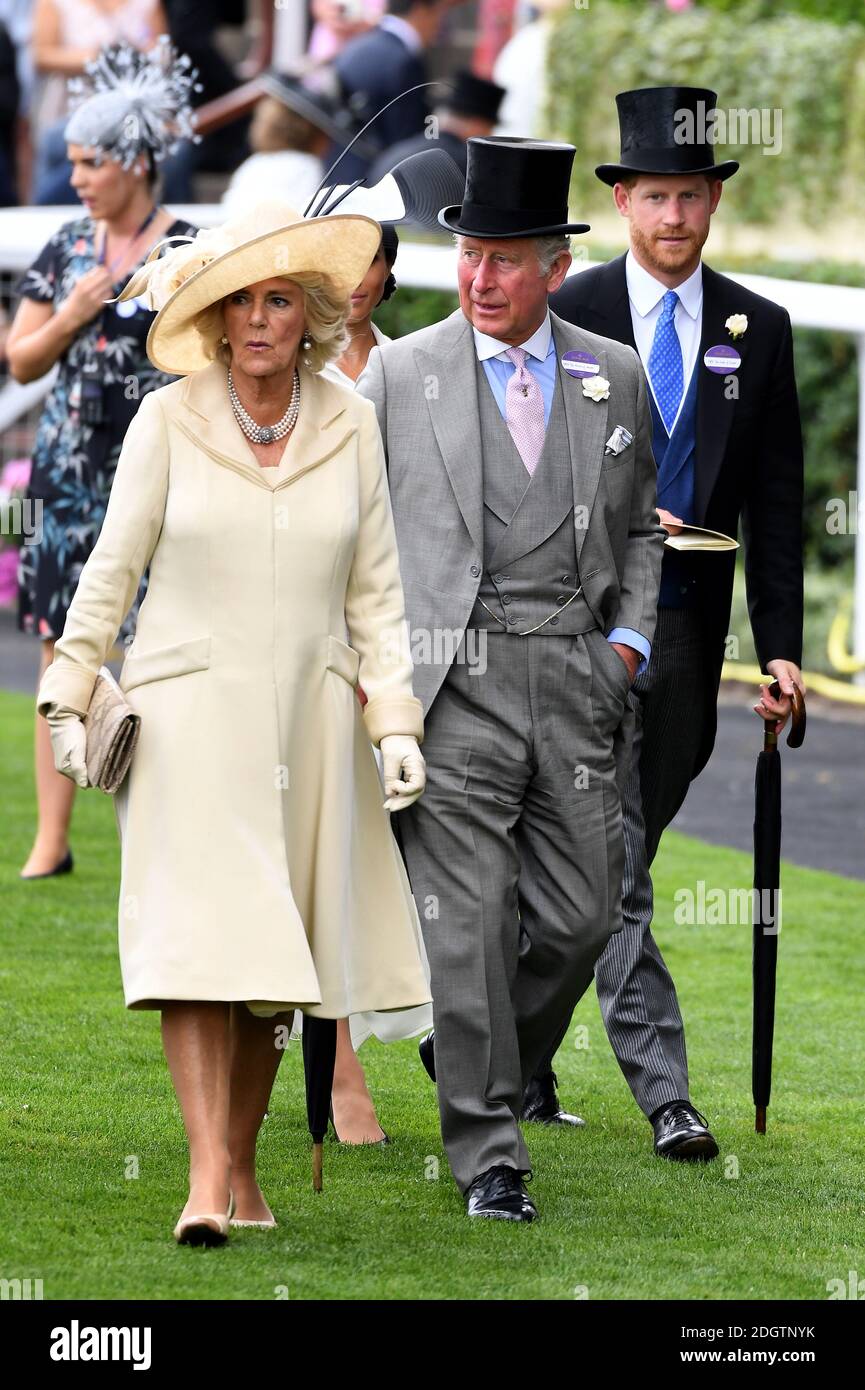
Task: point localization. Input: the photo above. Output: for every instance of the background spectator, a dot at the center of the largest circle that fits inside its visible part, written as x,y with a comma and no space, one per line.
192,25
67,34
376,67
339,21
521,68
292,129
10,96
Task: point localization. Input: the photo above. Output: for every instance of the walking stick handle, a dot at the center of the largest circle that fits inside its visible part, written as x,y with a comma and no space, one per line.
796,736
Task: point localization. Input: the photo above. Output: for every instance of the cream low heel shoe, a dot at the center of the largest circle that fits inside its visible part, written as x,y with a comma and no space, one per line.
209,1229
267,1225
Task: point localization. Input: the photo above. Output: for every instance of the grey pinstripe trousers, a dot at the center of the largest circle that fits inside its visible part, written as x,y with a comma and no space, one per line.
635,990
515,858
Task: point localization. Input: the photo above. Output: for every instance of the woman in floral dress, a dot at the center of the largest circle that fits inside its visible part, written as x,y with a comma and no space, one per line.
115,141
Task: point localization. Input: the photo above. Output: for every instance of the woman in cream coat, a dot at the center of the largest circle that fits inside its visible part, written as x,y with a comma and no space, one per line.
259,871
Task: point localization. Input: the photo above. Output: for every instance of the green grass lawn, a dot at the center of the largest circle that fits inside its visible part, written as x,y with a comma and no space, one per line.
86,1098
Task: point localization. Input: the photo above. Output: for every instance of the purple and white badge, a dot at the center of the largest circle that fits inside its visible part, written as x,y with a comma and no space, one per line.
580,364
722,359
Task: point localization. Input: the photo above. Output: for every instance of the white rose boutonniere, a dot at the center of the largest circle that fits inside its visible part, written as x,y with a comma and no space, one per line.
597,388
737,325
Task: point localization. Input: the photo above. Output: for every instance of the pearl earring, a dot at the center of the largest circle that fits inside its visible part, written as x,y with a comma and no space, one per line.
306,341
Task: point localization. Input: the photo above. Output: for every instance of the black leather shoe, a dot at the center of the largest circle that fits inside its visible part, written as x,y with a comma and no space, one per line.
681,1132
426,1052
541,1104
65,866
499,1195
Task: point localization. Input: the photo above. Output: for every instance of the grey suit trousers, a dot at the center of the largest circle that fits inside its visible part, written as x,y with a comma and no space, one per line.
635,990
515,856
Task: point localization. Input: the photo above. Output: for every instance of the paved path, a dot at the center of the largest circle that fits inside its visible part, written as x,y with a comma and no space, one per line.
824,780
823,796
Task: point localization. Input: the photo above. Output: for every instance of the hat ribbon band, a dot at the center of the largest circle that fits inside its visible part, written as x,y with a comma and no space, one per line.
488,215
696,155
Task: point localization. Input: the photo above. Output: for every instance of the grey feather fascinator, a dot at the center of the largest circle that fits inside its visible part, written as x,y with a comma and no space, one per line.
130,102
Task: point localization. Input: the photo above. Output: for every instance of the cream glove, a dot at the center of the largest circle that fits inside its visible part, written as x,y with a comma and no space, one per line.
68,744
401,755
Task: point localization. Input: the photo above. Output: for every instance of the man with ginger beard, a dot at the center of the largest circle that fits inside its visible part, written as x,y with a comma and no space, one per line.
728,447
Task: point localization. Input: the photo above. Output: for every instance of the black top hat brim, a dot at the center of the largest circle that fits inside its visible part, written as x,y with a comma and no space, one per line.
450,218
616,173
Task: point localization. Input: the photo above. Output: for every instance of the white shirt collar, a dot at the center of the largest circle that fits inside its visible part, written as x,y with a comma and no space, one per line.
645,292
538,345
395,24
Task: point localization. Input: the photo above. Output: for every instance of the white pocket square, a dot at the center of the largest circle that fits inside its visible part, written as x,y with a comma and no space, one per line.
619,441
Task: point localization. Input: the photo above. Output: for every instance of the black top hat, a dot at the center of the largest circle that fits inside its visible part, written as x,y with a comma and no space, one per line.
650,119
514,188
474,96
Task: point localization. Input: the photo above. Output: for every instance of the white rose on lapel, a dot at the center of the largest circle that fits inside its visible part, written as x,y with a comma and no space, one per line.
737,325
597,388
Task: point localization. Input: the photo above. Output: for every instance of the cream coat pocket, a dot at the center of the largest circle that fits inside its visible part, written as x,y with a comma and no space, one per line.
177,660
343,659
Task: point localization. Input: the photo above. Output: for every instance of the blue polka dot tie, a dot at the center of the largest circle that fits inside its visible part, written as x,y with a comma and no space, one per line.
665,362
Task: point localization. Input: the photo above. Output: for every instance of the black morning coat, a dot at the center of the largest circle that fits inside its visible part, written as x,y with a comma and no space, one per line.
748,461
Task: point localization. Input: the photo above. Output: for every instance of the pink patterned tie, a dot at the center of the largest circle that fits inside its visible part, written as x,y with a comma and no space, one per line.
524,410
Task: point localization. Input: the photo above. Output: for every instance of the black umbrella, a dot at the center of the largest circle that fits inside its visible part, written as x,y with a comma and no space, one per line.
767,914
319,1056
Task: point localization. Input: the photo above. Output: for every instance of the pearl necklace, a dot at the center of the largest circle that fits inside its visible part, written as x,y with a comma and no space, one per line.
265,434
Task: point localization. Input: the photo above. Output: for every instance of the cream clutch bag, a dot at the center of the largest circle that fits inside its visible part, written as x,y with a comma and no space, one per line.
111,727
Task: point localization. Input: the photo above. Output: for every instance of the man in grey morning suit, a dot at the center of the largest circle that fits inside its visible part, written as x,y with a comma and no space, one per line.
523,492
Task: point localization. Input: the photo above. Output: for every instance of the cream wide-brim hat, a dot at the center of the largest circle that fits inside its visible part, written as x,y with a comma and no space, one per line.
272,239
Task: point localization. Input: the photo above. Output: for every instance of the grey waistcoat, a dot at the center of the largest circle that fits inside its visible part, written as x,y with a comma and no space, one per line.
532,518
